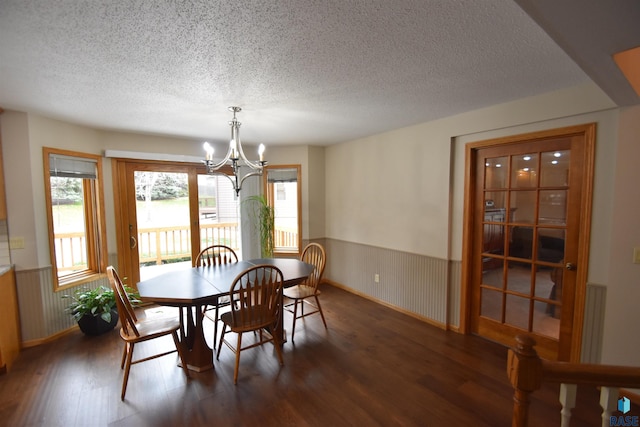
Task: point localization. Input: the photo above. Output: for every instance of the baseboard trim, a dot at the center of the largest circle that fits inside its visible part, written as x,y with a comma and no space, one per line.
35,343
388,305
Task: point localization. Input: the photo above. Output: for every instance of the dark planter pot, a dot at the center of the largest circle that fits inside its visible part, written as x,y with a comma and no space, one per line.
94,325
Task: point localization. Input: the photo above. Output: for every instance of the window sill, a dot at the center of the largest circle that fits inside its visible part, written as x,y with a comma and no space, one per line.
77,280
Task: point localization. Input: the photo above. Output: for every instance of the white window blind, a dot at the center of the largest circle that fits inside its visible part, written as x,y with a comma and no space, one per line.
72,167
282,175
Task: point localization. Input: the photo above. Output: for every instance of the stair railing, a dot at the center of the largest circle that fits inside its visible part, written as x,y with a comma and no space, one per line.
527,371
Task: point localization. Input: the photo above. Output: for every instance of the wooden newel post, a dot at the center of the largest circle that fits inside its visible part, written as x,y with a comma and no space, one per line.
524,369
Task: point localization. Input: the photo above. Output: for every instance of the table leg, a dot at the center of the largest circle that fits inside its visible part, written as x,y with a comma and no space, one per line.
198,355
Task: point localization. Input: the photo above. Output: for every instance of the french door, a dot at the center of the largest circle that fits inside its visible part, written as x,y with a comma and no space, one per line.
527,241
166,213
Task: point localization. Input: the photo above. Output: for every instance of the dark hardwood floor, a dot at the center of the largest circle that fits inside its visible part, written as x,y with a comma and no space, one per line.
372,367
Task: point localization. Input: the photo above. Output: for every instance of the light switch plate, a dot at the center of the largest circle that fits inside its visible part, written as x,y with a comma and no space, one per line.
636,255
16,243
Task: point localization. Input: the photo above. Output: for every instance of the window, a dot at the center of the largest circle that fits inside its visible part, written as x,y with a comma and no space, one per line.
75,213
283,193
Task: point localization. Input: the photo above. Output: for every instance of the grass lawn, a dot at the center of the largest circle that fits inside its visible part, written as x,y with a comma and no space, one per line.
158,213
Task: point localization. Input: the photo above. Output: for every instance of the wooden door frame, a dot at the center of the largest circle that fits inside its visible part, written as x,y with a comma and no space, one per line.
119,167
588,131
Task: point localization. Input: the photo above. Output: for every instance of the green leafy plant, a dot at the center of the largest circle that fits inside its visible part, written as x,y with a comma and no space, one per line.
264,217
96,302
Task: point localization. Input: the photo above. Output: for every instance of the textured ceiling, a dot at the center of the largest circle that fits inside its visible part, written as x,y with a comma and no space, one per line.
304,71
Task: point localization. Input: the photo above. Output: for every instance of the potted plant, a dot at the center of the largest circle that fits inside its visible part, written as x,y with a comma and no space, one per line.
264,217
95,309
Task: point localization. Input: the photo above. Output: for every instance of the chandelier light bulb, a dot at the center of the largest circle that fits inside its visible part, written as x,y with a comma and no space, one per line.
209,150
234,149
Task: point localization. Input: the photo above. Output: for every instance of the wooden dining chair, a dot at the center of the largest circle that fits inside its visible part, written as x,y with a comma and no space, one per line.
298,295
257,300
134,331
212,256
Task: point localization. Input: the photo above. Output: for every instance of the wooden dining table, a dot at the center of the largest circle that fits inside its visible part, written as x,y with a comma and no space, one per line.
192,289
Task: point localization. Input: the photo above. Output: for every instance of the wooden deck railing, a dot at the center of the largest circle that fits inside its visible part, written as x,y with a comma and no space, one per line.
160,244
71,251
285,238
527,371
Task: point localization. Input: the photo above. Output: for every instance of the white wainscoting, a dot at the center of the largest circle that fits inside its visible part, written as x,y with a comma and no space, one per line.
42,311
593,325
414,283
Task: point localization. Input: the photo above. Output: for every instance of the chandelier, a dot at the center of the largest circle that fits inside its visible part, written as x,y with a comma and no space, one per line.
234,157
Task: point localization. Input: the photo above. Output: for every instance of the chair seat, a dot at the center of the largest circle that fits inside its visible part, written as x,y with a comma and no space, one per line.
299,292
260,317
151,328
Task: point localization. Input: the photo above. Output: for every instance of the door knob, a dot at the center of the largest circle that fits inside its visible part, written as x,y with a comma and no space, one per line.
132,240
569,266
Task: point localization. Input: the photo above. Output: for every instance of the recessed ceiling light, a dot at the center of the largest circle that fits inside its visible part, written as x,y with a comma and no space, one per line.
526,158
554,162
557,154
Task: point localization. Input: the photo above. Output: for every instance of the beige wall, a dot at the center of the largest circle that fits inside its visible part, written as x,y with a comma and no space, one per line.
391,191
621,339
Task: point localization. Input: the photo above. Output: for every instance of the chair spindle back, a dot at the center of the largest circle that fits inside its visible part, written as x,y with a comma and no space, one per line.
126,313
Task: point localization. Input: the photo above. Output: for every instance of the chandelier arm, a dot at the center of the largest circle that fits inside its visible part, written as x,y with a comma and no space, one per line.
255,166
257,173
234,181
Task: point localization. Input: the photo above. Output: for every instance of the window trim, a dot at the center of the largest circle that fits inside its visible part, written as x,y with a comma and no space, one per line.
270,196
95,223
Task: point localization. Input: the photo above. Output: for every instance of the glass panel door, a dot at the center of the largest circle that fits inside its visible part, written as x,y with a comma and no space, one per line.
218,213
163,222
526,240
525,213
